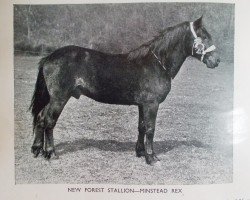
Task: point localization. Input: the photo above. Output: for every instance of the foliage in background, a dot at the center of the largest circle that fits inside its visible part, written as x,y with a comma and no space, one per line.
115,28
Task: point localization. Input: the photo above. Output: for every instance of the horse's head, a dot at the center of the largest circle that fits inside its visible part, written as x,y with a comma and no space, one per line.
201,44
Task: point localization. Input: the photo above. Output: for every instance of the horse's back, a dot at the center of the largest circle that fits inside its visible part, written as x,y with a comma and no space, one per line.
107,78
73,70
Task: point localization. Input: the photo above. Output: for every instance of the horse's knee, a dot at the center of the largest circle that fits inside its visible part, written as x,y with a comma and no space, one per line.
150,133
142,129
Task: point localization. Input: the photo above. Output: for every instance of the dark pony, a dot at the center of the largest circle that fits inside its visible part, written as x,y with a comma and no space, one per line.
141,77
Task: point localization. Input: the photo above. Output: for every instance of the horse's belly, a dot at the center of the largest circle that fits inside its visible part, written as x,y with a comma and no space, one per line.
114,97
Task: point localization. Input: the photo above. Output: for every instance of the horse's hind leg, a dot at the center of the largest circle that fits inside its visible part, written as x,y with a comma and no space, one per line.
38,143
52,113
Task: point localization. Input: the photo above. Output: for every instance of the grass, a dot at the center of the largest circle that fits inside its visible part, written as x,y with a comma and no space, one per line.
96,142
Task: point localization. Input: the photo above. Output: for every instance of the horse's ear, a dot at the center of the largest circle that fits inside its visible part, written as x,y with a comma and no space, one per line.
198,23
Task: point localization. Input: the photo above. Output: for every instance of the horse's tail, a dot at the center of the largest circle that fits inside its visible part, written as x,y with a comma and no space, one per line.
41,95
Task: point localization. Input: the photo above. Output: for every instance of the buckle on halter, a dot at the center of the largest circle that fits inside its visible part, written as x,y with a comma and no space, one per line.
198,46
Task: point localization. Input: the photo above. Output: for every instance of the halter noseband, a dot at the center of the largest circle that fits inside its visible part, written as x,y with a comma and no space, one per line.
198,45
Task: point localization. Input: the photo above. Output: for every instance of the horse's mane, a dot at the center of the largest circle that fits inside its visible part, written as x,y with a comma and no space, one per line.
143,49
140,51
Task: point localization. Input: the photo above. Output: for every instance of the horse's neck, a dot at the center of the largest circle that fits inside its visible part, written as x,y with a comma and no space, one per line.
175,53
175,62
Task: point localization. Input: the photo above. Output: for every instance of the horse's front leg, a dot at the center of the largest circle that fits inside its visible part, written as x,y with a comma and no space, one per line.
147,127
140,147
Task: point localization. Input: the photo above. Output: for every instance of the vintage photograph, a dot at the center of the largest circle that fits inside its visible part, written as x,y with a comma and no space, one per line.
128,93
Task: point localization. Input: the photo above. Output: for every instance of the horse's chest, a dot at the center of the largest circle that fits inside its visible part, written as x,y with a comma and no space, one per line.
161,89
154,89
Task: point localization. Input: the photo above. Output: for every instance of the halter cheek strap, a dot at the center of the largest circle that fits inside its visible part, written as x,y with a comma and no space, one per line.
192,29
203,53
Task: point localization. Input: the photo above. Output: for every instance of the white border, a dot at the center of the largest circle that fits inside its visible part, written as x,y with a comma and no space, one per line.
239,189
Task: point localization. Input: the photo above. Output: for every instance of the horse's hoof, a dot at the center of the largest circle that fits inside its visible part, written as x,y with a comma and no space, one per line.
47,154
151,159
50,155
139,150
36,150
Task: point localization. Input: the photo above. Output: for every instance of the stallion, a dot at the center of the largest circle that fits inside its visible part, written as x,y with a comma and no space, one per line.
141,77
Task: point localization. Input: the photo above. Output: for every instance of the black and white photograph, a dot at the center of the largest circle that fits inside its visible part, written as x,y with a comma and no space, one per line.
128,93
124,99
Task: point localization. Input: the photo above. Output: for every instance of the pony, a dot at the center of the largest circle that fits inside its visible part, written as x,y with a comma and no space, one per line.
141,77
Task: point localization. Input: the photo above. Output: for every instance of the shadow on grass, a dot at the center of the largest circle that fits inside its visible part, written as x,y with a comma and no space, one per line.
116,146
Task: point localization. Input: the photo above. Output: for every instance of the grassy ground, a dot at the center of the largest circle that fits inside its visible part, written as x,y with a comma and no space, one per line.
96,142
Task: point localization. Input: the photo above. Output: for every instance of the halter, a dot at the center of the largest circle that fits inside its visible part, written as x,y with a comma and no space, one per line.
198,45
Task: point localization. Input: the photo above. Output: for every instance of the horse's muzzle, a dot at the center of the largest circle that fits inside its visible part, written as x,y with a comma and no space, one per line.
212,61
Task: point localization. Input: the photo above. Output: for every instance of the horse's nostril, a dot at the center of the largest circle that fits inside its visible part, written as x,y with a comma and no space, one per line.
218,60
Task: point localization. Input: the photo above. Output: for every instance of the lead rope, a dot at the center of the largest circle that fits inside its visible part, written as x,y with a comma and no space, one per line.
159,61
